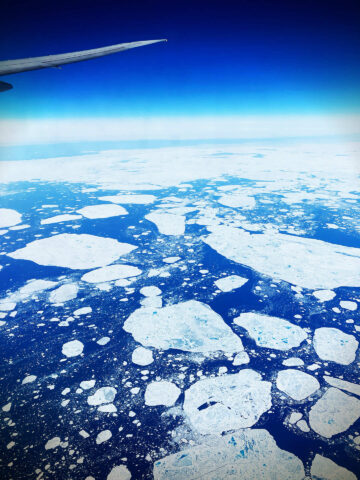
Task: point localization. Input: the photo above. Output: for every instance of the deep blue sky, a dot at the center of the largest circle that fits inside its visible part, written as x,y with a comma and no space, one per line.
222,57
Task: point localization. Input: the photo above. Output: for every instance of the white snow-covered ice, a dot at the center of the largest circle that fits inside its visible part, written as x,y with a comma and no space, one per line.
161,392
9,217
296,384
73,348
168,223
227,284
105,210
334,345
110,273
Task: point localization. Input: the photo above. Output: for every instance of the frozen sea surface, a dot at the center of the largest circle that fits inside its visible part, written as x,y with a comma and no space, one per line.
181,313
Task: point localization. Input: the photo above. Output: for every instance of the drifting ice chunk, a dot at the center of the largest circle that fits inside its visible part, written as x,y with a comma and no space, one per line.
168,223
109,408
348,305
29,379
142,356
82,311
102,211
298,385
139,199
87,384
72,349
34,286
241,358
191,326
64,293
324,295
343,385
237,200
229,402
250,454
7,306
103,436
323,468
161,393
52,443
334,345
111,272
271,332
67,217
293,362
282,257
119,472
150,291
9,217
334,413
73,251
102,395
230,283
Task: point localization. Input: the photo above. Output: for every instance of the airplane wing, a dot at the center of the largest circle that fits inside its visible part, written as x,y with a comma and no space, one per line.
8,67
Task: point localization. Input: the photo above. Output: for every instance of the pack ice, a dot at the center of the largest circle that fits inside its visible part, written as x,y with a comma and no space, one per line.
228,402
301,261
250,454
73,251
191,326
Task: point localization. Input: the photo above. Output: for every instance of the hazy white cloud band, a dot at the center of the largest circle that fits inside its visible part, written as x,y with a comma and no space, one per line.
43,131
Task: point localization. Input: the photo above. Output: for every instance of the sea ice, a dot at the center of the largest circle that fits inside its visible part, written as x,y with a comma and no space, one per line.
334,413
334,345
87,384
293,362
7,306
102,395
250,454
342,384
52,443
132,199
171,259
241,359
74,251
347,305
82,311
151,291
271,332
296,384
64,293
9,217
105,210
73,348
34,286
110,273
191,326
228,402
324,295
67,217
323,468
282,257
227,284
161,393
103,436
103,341
168,223
108,408
120,472
29,379
142,356
237,200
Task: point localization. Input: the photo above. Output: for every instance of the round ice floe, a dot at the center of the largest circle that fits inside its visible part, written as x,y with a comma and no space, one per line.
151,291
9,217
228,402
110,273
7,306
324,295
161,393
334,345
102,395
334,413
103,436
73,348
104,210
74,251
348,305
120,472
296,384
132,198
87,384
142,356
241,359
271,332
323,468
249,454
227,284
64,293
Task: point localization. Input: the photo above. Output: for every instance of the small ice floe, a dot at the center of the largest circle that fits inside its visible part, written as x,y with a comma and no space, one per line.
168,223
65,293
250,454
334,413
294,417
84,434
36,286
293,362
161,393
153,302
342,384
348,305
142,356
151,291
52,443
324,295
103,436
73,251
103,341
334,345
110,273
9,217
104,210
120,472
67,217
131,199
7,407
191,326
102,395
87,384
82,311
72,349
296,384
227,284
323,468
171,259
29,379
241,359
271,332
303,426
6,306
109,408
228,402
238,200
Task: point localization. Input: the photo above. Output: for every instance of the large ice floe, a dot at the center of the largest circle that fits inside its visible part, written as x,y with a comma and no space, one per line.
227,284
334,345
296,384
250,454
323,468
105,210
334,413
271,332
302,261
111,272
191,326
228,402
9,217
161,393
74,251
237,200
73,348
168,223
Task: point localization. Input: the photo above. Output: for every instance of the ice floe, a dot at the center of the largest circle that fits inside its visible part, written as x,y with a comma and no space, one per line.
348,305
103,341
237,200
87,384
227,284
101,396
334,345
119,472
142,356
241,359
35,286
323,468
52,443
132,199
296,384
251,454
103,436
29,379
64,293
228,402
293,362
191,326
150,291
324,295
342,384
74,251
9,217
67,217
105,210
161,393
282,257
271,332
82,311
73,348
168,223
110,273
334,413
